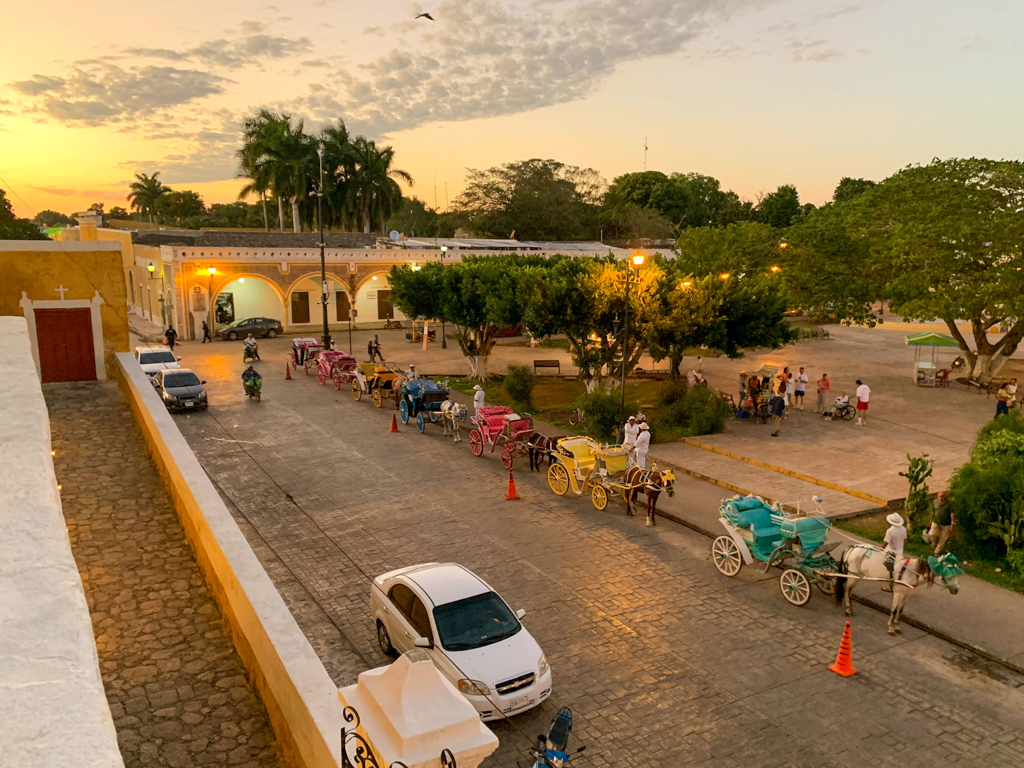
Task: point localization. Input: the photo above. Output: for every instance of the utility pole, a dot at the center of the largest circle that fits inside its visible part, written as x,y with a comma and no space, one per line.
444,340
638,260
323,259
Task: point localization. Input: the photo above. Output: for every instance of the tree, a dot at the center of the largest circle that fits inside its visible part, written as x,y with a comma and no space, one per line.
373,191
479,296
181,205
145,193
414,219
532,200
13,228
741,249
118,212
849,188
46,219
780,208
262,158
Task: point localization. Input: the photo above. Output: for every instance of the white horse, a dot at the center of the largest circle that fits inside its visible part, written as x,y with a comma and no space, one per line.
451,414
868,563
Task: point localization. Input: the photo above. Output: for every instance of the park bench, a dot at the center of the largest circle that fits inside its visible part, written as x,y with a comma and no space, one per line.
547,364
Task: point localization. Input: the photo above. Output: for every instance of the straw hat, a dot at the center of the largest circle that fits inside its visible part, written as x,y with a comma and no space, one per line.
643,425
477,388
894,519
632,418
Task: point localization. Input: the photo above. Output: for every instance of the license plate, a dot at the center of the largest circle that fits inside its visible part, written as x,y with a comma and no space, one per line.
519,701
189,403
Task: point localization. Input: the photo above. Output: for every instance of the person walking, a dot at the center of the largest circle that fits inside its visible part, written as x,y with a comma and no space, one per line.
171,337
643,443
895,538
1011,390
824,388
629,433
369,350
787,391
779,407
743,389
478,399
863,396
376,349
801,388
943,521
206,333
1002,402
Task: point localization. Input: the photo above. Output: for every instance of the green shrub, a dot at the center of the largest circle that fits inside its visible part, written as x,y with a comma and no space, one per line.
519,383
919,469
1010,422
603,412
672,391
698,412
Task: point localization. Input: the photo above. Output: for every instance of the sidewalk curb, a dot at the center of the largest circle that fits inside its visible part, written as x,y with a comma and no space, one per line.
788,472
916,623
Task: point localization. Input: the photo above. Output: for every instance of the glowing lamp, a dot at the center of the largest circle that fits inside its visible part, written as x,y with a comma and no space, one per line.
374,277
776,269
241,279
212,270
783,244
687,283
151,269
725,276
638,259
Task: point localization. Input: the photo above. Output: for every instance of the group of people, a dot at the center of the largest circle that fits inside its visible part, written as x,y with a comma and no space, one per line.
636,439
1006,397
787,392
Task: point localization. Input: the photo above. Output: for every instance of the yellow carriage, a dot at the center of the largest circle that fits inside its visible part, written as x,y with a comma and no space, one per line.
581,463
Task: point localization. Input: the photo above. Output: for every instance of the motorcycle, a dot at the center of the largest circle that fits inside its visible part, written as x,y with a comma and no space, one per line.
958,364
251,352
253,388
393,325
552,750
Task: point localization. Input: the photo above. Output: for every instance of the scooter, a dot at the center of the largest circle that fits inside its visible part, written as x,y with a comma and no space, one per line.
551,751
251,352
253,388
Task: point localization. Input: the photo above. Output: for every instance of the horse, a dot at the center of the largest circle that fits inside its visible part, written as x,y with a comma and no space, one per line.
451,414
536,447
867,562
653,481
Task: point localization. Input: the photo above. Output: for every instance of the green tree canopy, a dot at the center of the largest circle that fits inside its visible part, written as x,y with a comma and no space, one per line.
13,228
849,188
46,219
780,208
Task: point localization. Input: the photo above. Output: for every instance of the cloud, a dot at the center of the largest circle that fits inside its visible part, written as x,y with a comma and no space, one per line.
251,26
484,58
108,93
232,54
814,50
846,10
374,31
204,149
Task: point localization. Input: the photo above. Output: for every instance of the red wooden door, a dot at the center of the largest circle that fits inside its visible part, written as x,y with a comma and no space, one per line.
66,351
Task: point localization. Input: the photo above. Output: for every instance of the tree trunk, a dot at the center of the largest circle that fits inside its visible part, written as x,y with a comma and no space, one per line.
266,219
477,367
366,220
296,222
989,358
280,212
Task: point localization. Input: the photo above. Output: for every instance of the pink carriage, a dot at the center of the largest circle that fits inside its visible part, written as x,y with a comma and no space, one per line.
328,363
305,350
498,425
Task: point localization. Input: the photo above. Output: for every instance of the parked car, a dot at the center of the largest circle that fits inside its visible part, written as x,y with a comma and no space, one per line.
180,389
153,359
257,326
469,632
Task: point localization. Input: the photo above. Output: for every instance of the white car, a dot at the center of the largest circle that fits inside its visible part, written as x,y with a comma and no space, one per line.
469,632
153,359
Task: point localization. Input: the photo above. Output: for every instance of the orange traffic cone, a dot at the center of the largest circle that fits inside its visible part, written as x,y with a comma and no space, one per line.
511,494
394,423
287,371
843,665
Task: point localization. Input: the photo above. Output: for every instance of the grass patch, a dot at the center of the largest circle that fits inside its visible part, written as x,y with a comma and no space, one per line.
873,527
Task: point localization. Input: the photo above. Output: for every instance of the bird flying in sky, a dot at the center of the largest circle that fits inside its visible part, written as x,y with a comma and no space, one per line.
424,16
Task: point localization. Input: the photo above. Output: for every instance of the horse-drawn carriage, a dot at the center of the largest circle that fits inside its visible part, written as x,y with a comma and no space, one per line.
425,400
796,543
332,364
370,379
498,425
305,350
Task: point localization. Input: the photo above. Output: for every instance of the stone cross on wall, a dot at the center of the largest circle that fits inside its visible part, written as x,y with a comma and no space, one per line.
62,290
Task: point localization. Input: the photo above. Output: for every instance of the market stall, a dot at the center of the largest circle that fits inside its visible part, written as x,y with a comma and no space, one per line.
926,365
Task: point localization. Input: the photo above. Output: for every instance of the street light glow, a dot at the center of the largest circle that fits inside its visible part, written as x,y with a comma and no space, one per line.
687,283
151,269
638,259
241,279
776,268
212,270
725,276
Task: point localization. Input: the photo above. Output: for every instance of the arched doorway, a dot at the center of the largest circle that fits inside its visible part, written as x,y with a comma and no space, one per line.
248,296
373,300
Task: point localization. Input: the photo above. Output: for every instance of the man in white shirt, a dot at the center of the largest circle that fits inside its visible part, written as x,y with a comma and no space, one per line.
478,398
801,387
629,433
895,538
863,395
643,442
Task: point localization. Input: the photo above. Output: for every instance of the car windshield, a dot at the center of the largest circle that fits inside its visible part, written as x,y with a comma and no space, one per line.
165,356
474,622
236,323
187,379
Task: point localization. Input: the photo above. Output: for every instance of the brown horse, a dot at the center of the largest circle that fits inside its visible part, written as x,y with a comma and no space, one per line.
653,481
537,447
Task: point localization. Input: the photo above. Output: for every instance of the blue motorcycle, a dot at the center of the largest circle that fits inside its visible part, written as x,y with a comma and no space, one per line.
552,750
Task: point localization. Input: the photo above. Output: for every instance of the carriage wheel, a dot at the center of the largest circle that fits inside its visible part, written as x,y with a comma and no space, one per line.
506,459
824,583
403,409
558,478
726,556
421,424
599,496
293,364
357,391
434,416
320,377
795,587
476,442
379,401
336,378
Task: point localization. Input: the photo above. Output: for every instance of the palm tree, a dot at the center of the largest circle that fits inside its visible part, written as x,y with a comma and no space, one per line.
259,157
339,159
146,192
373,191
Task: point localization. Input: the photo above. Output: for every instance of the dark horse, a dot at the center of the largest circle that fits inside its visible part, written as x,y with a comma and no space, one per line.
653,481
537,447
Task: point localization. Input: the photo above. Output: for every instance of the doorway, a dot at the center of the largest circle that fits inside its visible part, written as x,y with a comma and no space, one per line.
65,343
341,305
384,309
300,307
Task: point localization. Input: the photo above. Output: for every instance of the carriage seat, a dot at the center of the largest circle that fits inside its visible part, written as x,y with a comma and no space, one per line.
614,460
582,450
811,531
754,515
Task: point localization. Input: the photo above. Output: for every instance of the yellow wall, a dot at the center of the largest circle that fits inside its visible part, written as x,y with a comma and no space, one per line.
39,272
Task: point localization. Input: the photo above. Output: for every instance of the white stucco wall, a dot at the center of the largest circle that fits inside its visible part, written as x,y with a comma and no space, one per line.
53,710
254,298
366,299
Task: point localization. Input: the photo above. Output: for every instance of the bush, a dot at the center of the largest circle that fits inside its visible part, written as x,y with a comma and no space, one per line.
698,412
519,383
672,391
604,413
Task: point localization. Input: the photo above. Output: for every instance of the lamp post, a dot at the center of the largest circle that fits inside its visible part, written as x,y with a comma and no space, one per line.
163,315
638,261
444,341
323,262
211,271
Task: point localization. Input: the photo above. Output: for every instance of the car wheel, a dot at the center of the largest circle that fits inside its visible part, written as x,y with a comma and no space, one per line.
232,336
384,640
271,334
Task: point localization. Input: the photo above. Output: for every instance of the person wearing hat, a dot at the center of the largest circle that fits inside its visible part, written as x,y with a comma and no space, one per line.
629,433
478,398
942,523
895,538
743,388
643,442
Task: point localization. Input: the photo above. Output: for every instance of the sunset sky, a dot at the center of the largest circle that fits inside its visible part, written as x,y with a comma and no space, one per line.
755,92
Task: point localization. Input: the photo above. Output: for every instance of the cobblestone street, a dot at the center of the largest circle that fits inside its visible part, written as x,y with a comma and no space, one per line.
663,661
176,687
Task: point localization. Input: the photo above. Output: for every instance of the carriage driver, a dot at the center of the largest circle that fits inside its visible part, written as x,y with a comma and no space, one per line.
895,538
630,432
643,442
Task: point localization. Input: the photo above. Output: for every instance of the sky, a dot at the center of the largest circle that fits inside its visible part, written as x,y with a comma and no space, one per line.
757,93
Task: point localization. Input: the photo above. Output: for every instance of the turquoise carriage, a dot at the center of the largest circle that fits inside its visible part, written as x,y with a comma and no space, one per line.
796,543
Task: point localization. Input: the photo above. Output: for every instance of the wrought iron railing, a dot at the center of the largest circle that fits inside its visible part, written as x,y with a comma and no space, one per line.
364,756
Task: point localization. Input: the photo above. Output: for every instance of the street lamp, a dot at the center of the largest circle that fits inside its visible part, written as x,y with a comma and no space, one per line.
323,263
638,261
444,341
211,271
163,316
